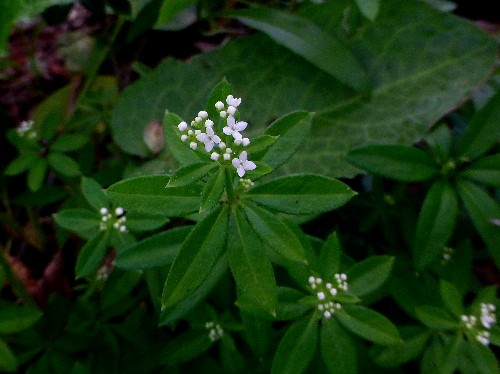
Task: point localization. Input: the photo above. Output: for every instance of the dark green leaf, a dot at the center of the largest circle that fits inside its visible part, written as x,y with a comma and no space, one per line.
275,233
250,266
436,318
337,348
329,258
149,194
483,211
14,318
191,173
485,170
64,164
232,360
170,8
67,143
260,143
297,347
368,275
219,93
8,361
94,193
440,142
21,163
289,308
47,194
369,8
196,258
213,190
91,255
177,147
483,358
140,221
405,164
36,174
301,194
257,334
368,324
156,250
436,223
306,39
451,356
451,298
483,131
186,347
77,219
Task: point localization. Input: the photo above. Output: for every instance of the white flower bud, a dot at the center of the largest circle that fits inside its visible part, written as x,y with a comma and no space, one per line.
202,114
219,105
182,126
214,156
193,145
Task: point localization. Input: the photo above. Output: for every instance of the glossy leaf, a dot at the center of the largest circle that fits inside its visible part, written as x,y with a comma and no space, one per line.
64,164
301,194
337,348
94,193
197,257
451,298
485,170
67,143
397,162
77,219
21,163
156,250
191,173
436,223
368,275
436,318
368,324
213,190
149,194
483,211
91,255
483,131
275,233
250,266
297,347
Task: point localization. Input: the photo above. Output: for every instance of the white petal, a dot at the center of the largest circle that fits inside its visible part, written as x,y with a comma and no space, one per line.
249,165
243,156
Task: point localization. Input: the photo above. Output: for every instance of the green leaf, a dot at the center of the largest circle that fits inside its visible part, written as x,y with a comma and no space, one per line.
483,358
257,334
483,131
191,173
436,318
170,8
289,308
94,193
483,211
149,194
368,275
275,233
213,190
36,174
291,130
414,341
369,8
451,356
77,219
185,347
436,223
306,39
154,251
170,315
337,348
301,194
197,257
8,361
141,221
368,324
250,266
259,144
91,255
67,143
440,141
219,93
297,347
177,147
451,298
405,164
329,258
485,170
21,163
14,318
63,164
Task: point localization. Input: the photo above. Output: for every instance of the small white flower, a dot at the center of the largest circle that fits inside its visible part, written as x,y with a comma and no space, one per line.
190,132
203,114
327,314
231,110
119,211
242,164
210,139
333,291
197,132
230,100
103,211
182,126
483,337
245,142
209,123
321,295
184,137
226,156
193,145
219,105
214,156
223,114
222,145
233,128
123,228
198,119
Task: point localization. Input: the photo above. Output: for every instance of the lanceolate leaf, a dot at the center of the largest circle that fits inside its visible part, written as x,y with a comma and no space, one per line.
67,143
91,255
8,361
249,264
368,324
77,219
484,211
452,352
14,318
150,194
21,163
369,8
156,250
177,147
36,174
213,190
486,171
275,233
368,275
191,173
482,356
337,348
307,40
94,193
297,347
396,162
301,194
451,298
329,258
63,164
436,223
436,318
170,8
197,257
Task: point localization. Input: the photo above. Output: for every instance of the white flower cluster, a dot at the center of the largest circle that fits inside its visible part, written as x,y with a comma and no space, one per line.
118,221
487,318
25,128
326,292
201,132
246,183
216,332
447,254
